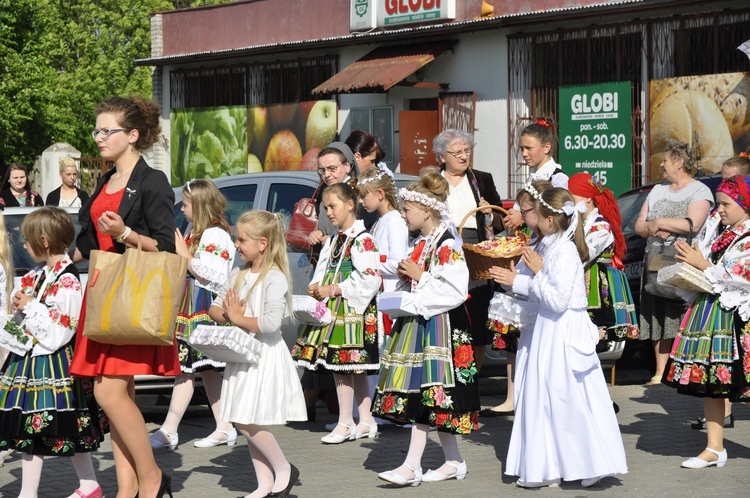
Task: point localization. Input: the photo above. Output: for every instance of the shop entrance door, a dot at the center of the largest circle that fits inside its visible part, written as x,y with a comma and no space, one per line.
416,131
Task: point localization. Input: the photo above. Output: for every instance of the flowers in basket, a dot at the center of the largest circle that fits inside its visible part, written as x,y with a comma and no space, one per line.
504,247
309,310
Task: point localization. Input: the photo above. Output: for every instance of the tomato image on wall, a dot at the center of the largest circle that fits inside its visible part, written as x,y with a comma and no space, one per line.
222,141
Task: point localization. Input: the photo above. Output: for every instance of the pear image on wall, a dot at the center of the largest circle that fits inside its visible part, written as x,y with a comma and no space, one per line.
321,125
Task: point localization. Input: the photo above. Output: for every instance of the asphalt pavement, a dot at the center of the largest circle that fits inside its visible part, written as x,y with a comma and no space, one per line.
654,420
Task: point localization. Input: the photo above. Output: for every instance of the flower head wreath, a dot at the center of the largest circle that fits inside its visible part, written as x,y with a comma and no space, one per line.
382,170
544,122
538,196
425,200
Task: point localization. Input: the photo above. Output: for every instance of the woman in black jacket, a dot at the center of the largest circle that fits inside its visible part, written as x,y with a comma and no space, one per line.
67,194
15,188
470,189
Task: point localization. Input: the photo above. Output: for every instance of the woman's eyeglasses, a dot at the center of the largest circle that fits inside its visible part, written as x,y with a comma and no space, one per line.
459,153
329,169
524,212
105,132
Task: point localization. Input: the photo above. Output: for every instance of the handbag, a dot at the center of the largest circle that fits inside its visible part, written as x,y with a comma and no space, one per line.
303,222
659,256
133,298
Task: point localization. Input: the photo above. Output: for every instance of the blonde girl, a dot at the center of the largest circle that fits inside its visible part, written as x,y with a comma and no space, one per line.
210,253
269,392
428,376
377,192
6,270
45,411
537,144
348,277
67,194
564,426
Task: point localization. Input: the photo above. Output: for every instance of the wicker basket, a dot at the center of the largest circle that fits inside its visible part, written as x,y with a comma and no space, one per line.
479,260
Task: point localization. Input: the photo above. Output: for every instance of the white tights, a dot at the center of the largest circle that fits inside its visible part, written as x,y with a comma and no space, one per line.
31,474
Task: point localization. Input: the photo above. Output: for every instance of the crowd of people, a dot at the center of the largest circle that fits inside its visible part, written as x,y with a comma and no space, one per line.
415,364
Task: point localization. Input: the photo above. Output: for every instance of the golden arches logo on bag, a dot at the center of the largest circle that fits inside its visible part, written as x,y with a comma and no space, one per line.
139,297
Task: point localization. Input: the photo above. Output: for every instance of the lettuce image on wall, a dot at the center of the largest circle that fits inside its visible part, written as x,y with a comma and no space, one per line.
208,143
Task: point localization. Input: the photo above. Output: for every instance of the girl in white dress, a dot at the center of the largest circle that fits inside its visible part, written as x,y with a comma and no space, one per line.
269,392
565,427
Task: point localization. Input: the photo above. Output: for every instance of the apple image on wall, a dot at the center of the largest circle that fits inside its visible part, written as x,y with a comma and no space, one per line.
321,124
284,152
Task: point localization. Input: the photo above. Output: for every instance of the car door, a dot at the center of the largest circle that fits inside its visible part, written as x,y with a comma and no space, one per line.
281,196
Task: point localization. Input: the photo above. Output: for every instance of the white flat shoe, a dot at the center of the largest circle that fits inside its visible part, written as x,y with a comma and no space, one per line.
208,442
552,483
340,438
158,443
699,463
370,434
593,480
435,476
399,480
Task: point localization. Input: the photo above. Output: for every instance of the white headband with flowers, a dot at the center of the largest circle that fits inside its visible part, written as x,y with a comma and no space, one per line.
382,170
425,200
538,196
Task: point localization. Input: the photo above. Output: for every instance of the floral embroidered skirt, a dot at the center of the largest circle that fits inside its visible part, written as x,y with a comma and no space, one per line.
610,302
45,411
349,344
193,312
708,355
429,375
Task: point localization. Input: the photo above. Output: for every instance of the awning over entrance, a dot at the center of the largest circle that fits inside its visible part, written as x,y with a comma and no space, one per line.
384,68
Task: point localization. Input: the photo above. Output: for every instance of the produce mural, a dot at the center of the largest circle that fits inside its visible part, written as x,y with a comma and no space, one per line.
222,141
710,112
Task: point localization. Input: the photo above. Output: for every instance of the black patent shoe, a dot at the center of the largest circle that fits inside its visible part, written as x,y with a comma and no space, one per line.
165,487
700,423
292,481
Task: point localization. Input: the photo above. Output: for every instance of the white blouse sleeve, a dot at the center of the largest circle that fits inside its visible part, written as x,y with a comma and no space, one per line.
398,244
213,260
323,259
445,285
731,278
275,288
599,238
53,322
553,286
3,291
365,280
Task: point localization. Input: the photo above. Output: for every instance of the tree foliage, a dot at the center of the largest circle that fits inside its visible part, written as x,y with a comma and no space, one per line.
59,58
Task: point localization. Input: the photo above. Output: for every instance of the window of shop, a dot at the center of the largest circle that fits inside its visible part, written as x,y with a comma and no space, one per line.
639,51
268,83
379,122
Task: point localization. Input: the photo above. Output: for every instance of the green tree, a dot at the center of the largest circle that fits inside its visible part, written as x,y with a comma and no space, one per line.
59,58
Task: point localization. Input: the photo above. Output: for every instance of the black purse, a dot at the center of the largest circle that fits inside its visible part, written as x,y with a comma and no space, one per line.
659,256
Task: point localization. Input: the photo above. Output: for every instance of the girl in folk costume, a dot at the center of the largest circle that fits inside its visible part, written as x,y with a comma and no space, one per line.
348,276
564,426
428,374
710,356
610,302
509,311
210,253
44,411
268,392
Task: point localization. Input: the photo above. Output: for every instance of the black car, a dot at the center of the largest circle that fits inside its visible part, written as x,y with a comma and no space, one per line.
630,204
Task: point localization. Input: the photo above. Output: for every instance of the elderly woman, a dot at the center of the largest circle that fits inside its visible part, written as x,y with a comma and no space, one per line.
470,189
668,215
67,194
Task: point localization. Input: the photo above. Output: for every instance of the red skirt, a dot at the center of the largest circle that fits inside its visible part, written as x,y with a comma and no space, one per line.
91,358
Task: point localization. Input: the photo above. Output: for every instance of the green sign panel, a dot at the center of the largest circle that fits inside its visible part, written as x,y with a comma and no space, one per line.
596,133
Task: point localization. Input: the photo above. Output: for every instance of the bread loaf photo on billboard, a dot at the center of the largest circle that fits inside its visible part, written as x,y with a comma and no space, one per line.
709,112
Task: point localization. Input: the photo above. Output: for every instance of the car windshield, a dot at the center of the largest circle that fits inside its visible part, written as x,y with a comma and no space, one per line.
630,207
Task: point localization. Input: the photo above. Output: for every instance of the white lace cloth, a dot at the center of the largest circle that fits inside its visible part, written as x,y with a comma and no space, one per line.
227,344
307,309
507,309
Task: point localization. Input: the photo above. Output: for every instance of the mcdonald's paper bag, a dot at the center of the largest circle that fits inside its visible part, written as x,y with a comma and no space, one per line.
133,298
